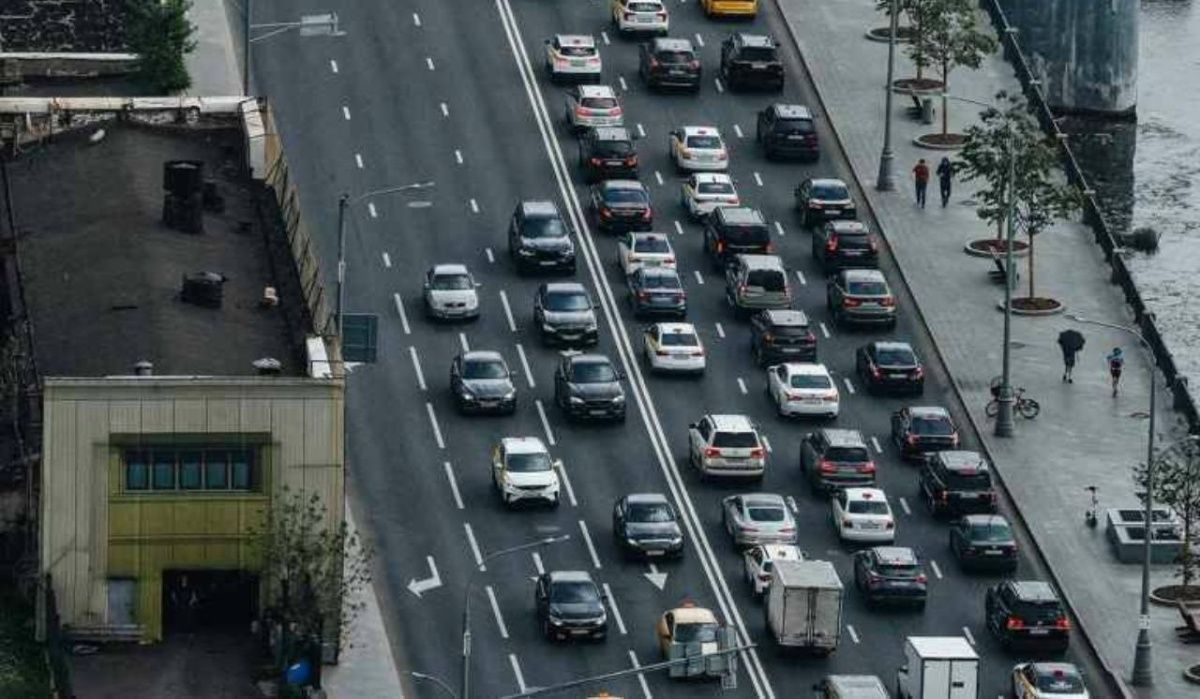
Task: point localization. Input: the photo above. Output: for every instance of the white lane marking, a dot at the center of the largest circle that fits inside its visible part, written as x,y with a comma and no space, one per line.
904,505
791,503
742,386
387,260
512,659
417,367
416,19
937,570
679,228
512,325
641,678
824,330
445,109
474,206
604,37
738,130
371,208
658,176
875,443
496,611
781,233
720,87
640,130
720,330
545,423
525,365
474,546
849,386
853,634
458,501
403,315
358,160
969,635
587,539
462,339
537,563
346,112
621,79
612,604
490,256
333,65
437,431
429,62
699,277
458,156
758,179
766,443
699,40
567,484
419,204
800,277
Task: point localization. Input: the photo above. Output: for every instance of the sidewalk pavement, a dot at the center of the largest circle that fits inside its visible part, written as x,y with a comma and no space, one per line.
1083,436
213,66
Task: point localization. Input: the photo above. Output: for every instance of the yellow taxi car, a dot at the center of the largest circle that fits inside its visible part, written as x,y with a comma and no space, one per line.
688,624
730,8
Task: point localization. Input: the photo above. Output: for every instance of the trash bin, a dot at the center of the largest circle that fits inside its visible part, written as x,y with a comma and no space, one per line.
926,110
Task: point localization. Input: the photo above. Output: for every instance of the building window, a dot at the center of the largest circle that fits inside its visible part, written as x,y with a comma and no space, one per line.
192,469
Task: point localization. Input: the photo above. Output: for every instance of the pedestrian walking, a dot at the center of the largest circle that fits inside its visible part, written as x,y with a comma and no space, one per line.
1116,362
945,170
1071,341
921,180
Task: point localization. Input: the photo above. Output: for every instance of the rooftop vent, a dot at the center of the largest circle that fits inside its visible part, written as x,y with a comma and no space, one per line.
143,368
203,289
268,366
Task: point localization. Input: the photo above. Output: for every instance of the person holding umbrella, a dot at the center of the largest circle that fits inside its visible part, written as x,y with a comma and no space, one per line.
1071,341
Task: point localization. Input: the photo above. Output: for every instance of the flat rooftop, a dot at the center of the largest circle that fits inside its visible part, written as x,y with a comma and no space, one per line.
102,274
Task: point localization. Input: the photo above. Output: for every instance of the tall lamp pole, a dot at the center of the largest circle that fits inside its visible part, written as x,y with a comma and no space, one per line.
886,181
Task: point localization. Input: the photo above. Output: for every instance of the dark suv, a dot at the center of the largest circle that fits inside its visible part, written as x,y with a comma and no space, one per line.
841,244
835,458
957,482
666,62
824,199
563,313
782,336
890,366
607,152
890,574
589,386
539,239
750,60
734,230
984,542
1027,613
787,131
645,524
622,205
860,296
570,605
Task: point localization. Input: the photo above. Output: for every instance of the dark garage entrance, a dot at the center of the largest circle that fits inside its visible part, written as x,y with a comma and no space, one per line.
208,599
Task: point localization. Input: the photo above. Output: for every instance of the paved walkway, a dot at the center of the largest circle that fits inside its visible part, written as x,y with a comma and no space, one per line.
1084,436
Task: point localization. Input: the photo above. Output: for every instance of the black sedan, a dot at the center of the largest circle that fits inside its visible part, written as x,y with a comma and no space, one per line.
984,542
589,386
820,200
622,205
481,382
890,574
920,430
656,291
891,367
645,524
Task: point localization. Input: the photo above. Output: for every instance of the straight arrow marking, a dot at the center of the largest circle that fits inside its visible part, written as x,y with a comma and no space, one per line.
656,578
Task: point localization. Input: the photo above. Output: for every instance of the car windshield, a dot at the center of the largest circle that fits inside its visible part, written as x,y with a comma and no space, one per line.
528,463
815,381
861,288
614,148
934,426
867,507
735,440
484,369
703,141
644,7
544,227
655,245
900,570
757,53
794,126
577,51
715,188
599,102
674,56
661,281
747,235
679,340
992,531
847,455
765,513
895,356
767,280
452,282
657,512
1060,682
969,480
625,196
568,301
830,191
593,372
695,633
574,592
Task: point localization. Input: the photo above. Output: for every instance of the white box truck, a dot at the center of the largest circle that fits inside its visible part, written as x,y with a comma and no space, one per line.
804,605
938,667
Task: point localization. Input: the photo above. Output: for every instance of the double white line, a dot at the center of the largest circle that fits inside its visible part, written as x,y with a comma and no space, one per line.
628,357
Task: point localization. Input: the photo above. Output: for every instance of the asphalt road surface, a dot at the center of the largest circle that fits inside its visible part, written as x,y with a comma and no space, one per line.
456,94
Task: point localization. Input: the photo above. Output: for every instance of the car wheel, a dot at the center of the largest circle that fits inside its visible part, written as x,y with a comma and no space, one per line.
556,501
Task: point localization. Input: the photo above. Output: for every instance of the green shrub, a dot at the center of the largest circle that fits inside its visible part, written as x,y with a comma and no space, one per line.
160,33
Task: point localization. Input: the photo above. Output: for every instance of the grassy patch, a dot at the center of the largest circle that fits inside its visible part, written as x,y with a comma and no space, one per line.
22,663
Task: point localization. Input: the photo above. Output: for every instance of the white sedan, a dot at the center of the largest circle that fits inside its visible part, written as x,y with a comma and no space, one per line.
701,148
638,249
1048,680
863,514
705,191
640,16
674,347
573,56
803,389
757,562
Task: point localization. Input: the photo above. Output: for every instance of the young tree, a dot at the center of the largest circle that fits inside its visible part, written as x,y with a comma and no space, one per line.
915,11
159,32
953,39
1177,485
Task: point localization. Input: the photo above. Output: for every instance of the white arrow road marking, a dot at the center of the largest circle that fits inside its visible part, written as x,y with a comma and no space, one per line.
512,325
433,582
641,678
612,604
587,539
453,485
562,471
474,546
437,431
875,443
904,505
545,423
853,634
496,611
417,367
525,365
970,637
791,503
512,659
656,578
937,571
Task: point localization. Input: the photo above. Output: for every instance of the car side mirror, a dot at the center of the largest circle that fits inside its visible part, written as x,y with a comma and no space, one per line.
691,425
478,285
621,374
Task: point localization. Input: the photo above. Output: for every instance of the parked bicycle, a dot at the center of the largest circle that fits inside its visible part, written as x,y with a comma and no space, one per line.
1028,408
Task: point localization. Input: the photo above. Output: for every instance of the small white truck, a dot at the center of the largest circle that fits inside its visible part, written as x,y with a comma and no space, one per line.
938,667
804,606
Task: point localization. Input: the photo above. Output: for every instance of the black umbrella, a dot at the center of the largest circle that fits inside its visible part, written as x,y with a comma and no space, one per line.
1071,340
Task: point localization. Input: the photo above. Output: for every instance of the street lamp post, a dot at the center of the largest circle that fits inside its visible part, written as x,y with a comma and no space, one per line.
886,181
465,692
437,682
309,25
1142,676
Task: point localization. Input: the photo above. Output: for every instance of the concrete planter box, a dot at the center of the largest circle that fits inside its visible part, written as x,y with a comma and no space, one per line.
1125,528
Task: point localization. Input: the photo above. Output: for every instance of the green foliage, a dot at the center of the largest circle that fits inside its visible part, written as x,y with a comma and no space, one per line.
953,39
1177,485
22,660
916,11
160,33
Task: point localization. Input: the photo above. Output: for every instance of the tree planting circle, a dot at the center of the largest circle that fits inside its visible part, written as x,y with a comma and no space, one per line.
918,86
941,141
1192,674
986,247
1170,594
1036,306
904,35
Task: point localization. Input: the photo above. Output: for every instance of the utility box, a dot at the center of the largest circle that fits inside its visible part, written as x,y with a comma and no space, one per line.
938,667
804,605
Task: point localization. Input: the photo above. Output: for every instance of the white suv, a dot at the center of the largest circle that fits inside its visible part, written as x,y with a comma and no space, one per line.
863,514
726,445
522,470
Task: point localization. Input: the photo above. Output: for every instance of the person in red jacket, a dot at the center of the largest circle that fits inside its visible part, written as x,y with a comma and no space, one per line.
921,179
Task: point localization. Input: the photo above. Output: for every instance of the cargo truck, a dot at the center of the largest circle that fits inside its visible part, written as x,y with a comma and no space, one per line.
938,667
804,606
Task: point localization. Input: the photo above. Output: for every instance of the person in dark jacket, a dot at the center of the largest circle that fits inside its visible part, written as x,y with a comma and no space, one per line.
1071,341
945,170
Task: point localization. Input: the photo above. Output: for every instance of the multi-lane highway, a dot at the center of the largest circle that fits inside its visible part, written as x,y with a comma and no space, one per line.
455,93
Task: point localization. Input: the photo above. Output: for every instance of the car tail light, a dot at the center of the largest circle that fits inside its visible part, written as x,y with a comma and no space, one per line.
768,337
615,111
851,303
827,467
643,295
1062,623
874,578
874,246
741,288
765,577
769,249
832,244
631,161
597,161
685,153
911,439
664,353
694,64
647,214
875,371
794,396
922,579
943,495
787,530
669,260
560,61
662,16
991,496
653,62
698,353
606,213
954,439
810,338
712,452
629,15
720,246
831,397
868,467
919,372
594,60
887,301
1013,623
847,523
757,453
582,111
890,524
722,156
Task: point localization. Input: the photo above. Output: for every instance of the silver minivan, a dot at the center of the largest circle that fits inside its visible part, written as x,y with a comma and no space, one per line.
757,282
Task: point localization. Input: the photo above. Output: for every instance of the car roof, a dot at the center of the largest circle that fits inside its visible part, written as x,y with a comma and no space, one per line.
539,208
570,576
827,182
792,111
672,44
761,261
623,184
758,40
806,368
706,177
895,555
589,358
892,345
843,437
482,356
611,133
677,327
740,215
962,460
647,498
584,40
782,552
786,317
700,131
771,499
448,269
842,225
694,615
732,423
523,445
865,494
928,411
1033,590
863,275
596,91
565,288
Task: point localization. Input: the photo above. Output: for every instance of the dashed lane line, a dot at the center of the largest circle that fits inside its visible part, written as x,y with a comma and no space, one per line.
904,505
612,604
403,315
387,260
766,443
358,160
849,386
525,366
537,563
417,367
371,208
566,479
742,386
641,677
738,131
416,19
699,277
641,131
516,667
496,611
437,431
758,179
462,340
937,570
491,257
458,157
474,546
621,79
781,233
875,443
699,40
545,423
720,87
587,539
458,501
445,109
346,112
824,330
333,65
604,38
474,206
720,331
969,635
801,278
853,634
679,228
658,177
429,62
512,324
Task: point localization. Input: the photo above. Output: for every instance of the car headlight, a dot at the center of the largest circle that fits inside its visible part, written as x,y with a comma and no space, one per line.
619,399
525,252
575,400
466,393
548,327
512,393
632,541
676,540
557,621
592,326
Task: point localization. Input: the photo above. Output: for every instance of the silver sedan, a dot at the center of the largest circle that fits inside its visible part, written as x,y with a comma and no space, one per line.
758,518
